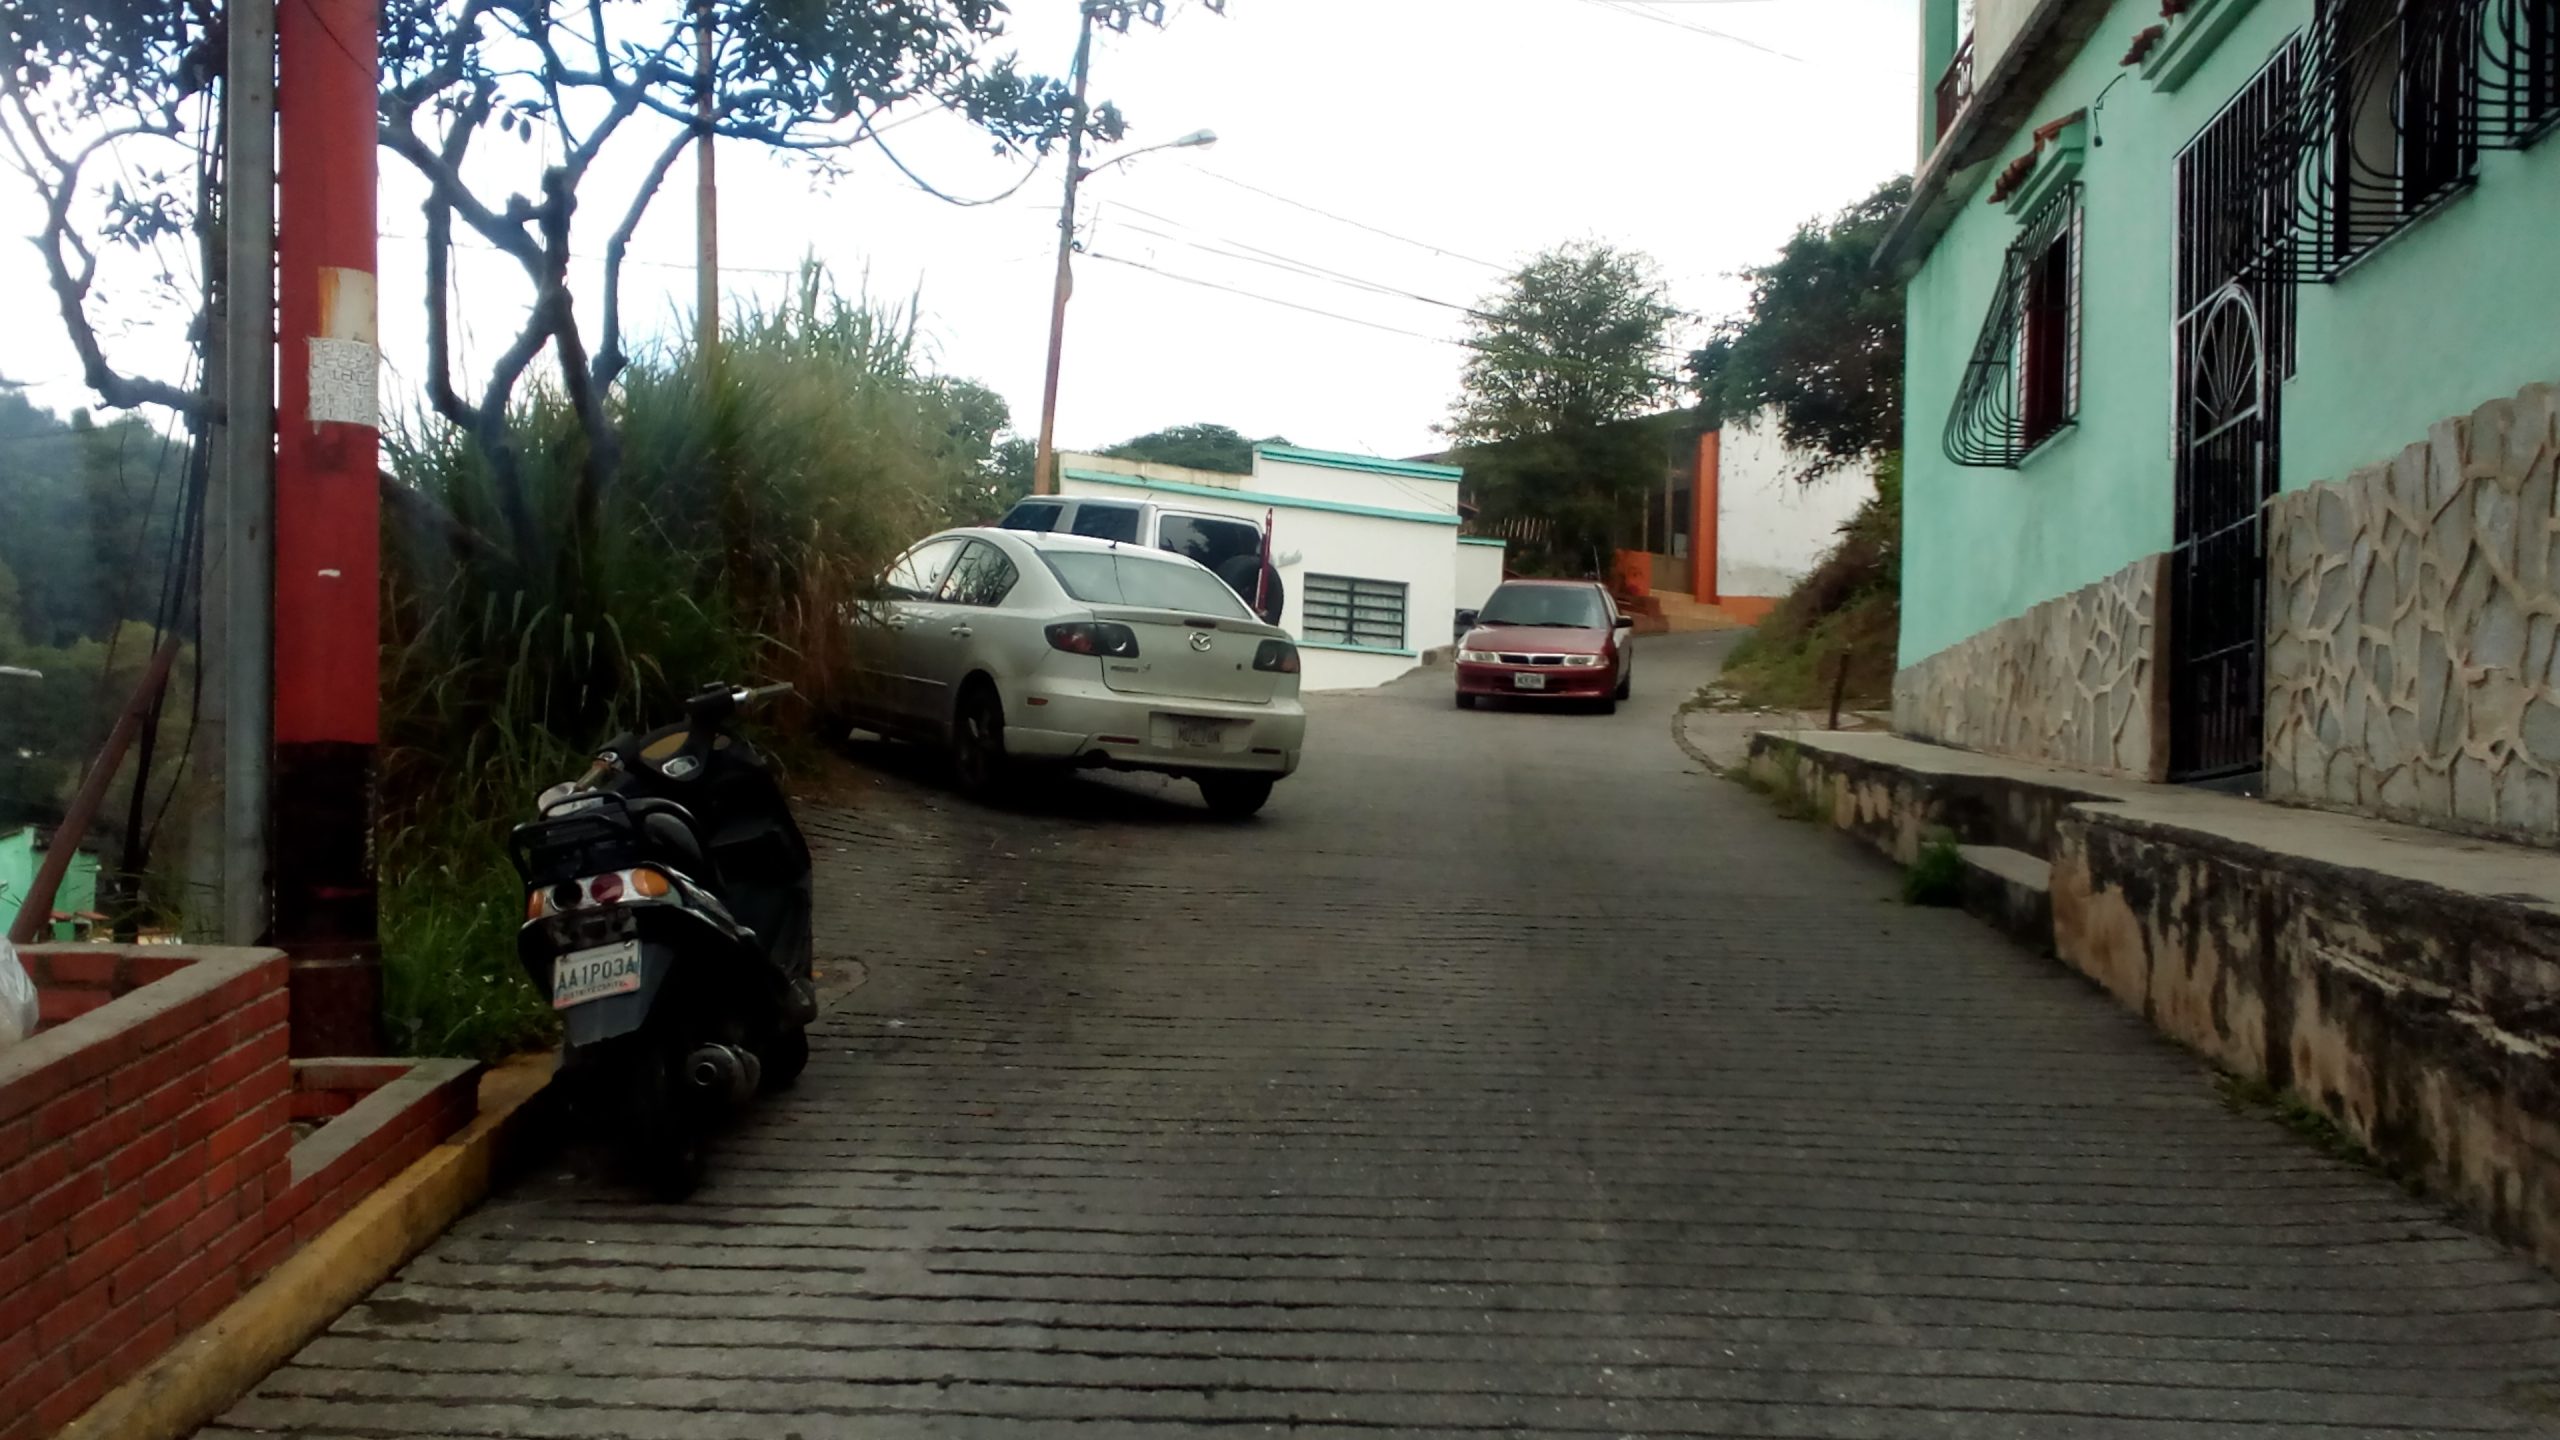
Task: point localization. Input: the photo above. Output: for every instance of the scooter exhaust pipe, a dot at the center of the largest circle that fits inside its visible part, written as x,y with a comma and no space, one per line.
724,1071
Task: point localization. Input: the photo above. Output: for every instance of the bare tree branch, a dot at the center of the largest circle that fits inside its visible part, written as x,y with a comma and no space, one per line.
57,177
506,231
440,392
610,359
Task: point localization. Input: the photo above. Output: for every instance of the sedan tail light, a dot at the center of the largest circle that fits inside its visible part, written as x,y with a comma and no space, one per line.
1096,637
1279,657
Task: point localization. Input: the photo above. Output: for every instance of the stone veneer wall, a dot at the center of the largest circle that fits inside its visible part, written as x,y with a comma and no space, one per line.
2071,682
2412,616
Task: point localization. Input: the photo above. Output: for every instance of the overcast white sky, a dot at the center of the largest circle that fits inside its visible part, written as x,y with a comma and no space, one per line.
1484,129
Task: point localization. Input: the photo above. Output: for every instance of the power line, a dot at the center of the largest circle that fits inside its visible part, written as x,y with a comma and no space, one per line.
1630,7
1558,362
1255,255
1347,220
1272,300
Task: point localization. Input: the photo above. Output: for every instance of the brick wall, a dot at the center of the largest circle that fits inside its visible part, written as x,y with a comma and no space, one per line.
143,1139
149,1167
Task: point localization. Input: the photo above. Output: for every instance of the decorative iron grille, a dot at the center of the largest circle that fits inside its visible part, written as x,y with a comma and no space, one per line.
2218,570
2519,72
2384,126
1996,419
2236,209
2235,297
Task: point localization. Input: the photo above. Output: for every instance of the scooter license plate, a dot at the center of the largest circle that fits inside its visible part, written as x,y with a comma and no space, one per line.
583,975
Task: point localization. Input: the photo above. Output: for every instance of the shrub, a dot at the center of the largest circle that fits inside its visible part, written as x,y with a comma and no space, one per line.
754,500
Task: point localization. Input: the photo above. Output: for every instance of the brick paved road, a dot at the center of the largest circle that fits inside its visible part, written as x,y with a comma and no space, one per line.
1507,1078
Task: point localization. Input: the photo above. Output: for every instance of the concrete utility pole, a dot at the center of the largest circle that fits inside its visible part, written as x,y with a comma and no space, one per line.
328,575
238,657
1044,465
706,195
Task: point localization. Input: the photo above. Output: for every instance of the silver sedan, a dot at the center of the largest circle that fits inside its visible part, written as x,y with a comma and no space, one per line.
1013,648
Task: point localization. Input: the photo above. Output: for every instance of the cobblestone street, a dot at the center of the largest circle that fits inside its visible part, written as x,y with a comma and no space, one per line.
1508,1076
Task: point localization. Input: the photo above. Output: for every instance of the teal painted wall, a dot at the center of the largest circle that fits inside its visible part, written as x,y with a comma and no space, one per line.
19,860
17,871
2461,309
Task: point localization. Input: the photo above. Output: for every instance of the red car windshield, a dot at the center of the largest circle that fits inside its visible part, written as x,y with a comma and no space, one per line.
1570,607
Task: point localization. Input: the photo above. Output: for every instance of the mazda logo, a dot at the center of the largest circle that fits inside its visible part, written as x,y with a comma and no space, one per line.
1201,640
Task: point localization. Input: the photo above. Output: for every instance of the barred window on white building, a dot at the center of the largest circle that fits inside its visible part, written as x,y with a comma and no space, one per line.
1344,611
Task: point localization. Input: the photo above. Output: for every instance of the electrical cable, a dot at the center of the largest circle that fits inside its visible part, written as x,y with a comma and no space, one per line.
1254,255
1347,220
1628,7
1038,163
1270,300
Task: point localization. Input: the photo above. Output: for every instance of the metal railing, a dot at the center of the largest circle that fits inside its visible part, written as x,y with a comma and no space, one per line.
1955,88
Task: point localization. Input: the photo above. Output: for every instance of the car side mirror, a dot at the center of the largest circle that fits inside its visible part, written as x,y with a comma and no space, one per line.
1626,622
1467,619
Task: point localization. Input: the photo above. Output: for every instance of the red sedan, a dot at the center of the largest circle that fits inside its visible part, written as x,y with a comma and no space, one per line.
1548,640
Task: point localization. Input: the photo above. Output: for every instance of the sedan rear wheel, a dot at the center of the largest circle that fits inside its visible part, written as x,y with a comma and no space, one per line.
977,742
1235,796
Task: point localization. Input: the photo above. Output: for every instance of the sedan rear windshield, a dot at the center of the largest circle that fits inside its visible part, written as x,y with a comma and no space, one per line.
1570,606
1121,577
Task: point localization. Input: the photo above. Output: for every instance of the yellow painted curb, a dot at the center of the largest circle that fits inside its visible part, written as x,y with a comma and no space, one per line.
203,1374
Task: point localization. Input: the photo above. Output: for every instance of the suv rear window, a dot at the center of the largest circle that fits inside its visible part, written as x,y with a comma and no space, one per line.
1211,541
1120,577
1035,515
1107,522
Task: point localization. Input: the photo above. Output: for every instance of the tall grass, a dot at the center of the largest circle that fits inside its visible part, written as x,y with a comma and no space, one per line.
755,497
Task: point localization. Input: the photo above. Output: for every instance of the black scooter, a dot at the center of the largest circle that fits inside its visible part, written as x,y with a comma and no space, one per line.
667,903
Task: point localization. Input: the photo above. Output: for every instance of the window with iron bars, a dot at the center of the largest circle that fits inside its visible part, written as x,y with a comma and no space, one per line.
2397,99
1339,610
2022,385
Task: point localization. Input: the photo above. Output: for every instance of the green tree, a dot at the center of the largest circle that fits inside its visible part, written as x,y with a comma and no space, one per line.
1821,340
507,111
990,467
86,514
1576,343
1200,447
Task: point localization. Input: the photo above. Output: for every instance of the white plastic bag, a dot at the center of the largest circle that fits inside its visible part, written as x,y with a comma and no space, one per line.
17,997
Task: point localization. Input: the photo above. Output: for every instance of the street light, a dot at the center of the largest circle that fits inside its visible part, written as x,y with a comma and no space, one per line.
1044,470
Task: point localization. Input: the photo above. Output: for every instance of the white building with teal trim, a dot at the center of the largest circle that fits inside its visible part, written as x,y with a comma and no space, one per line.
1368,549
2233,327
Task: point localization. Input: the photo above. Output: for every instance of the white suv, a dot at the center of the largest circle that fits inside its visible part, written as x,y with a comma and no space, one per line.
1230,548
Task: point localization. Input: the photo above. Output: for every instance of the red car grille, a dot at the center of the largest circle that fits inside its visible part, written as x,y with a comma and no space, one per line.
1509,659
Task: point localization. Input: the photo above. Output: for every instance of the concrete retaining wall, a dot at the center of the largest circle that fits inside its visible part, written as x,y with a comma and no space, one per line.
2403,983
2423,1022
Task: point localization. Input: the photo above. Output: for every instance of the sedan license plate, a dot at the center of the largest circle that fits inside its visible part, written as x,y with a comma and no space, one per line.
1528,680
1200,734
584,975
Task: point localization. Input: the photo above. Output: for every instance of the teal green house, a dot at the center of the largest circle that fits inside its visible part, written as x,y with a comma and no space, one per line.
2232,327
20,856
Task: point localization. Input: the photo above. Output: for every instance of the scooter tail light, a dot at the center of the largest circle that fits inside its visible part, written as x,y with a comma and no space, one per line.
605,889
649,884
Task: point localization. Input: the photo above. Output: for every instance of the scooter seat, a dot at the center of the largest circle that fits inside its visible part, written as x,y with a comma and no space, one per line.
669,825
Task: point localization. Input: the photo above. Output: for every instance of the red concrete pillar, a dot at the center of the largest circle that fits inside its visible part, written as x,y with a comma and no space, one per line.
1703,507
328,523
